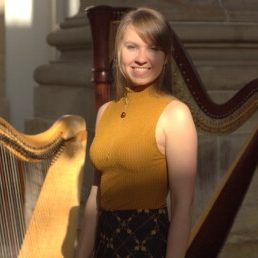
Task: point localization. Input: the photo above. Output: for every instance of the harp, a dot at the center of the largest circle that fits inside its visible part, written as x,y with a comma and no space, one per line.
209,232
41,221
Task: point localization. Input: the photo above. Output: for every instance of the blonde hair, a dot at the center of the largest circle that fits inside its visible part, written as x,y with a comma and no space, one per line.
153,29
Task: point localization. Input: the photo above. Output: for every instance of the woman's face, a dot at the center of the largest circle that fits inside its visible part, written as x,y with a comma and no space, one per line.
141,63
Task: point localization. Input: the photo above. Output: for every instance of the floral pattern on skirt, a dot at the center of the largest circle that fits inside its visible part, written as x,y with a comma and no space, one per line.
132,234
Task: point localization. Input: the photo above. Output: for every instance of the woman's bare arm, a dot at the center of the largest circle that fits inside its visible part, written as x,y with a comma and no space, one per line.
90,217
181,154
89,222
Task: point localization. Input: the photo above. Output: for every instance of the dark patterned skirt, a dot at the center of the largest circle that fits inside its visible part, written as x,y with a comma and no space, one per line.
132,234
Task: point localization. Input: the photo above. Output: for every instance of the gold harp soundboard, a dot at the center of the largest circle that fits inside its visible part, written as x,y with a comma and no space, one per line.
39,188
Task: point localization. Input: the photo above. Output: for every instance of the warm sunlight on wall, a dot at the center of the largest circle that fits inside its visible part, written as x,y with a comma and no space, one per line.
19,13
73,7
1,6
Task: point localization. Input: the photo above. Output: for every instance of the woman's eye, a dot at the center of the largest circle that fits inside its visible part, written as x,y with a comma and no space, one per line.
130,47
154,48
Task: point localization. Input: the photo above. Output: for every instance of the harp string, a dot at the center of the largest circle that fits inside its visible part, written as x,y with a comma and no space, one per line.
4,232
9,201
13,219
33,179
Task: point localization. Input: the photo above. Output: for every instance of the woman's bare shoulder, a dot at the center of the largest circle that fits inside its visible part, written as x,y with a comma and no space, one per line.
101,111
176,109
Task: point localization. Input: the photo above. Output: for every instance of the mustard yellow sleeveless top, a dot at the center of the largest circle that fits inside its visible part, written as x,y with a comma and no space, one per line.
124,149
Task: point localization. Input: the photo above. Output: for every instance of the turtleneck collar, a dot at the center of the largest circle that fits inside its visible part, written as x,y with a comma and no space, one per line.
139,89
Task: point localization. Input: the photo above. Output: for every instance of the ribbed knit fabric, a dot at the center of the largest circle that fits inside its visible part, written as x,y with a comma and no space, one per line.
134,171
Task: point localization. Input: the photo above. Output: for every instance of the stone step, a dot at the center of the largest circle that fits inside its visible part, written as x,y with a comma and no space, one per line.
55,101
50,102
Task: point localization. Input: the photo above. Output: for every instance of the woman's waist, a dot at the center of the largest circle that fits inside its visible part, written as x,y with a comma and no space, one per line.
132,203
130,212
133,192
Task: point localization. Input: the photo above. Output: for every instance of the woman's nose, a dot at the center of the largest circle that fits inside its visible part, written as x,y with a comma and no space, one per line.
141,56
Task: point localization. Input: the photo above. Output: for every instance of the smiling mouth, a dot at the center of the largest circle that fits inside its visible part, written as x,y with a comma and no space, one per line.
141,69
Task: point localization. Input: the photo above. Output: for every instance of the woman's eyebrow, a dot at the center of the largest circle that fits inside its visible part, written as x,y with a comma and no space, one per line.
129,42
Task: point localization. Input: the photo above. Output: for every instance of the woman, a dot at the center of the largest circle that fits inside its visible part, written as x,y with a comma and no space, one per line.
145,147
